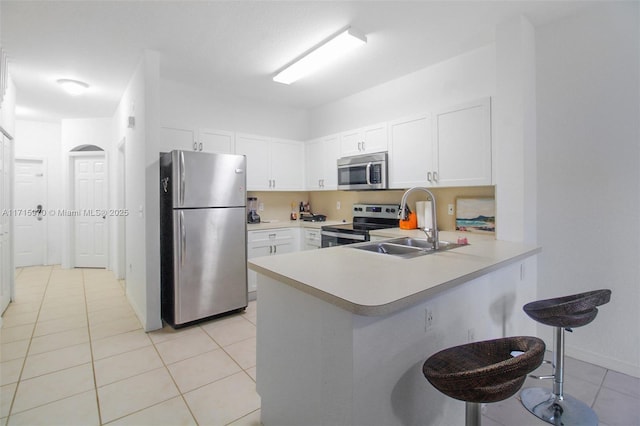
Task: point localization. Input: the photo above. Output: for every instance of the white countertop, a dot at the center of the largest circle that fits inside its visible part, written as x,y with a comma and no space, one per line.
373,284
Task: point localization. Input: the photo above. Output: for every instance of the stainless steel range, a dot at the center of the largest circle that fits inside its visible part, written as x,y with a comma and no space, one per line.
366,217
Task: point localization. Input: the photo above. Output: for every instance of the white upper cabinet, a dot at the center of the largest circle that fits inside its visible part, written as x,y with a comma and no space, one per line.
287,165
204,140
364,140
410,151
321,157
451,147
272,164
462,145
218,141
176,138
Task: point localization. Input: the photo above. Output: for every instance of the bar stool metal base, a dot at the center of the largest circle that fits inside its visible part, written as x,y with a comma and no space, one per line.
544,404
472,414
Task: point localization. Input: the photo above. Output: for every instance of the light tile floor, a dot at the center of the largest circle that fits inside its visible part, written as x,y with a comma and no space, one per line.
72,352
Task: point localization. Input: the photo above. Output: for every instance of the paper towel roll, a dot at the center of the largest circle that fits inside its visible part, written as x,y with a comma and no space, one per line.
424,208
428,214
420,209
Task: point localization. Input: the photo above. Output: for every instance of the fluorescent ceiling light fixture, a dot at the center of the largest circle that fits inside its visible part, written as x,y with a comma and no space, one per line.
321,55
73,87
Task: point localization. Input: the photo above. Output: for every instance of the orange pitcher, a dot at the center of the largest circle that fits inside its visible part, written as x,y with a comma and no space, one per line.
410,223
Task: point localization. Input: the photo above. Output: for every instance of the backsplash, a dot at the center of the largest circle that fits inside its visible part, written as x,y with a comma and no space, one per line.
277,205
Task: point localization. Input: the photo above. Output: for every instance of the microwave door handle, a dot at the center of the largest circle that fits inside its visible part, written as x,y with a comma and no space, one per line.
368,173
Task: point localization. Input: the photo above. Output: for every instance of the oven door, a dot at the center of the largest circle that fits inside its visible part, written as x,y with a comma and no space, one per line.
335,238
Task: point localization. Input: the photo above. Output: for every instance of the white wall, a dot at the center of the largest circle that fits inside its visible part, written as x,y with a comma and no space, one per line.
40,140
142,183
195,107
588,175
460,79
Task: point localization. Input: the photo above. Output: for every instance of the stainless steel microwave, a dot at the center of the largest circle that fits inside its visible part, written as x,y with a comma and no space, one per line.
362,172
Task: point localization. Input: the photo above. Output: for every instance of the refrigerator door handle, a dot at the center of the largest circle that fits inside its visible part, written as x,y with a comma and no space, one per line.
183,239
182,178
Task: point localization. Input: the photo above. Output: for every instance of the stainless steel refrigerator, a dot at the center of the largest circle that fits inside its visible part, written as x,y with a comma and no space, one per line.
203,238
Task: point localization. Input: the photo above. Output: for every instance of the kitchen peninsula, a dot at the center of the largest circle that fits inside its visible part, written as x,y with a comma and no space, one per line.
343,333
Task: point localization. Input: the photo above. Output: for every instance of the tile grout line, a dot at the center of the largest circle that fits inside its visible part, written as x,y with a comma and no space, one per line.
24,362
193,416
93,365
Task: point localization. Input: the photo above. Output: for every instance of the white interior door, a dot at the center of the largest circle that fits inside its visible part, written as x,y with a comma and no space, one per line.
29,223
90,202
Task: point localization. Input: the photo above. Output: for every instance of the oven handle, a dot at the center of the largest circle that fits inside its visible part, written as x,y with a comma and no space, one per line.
368,173
347,236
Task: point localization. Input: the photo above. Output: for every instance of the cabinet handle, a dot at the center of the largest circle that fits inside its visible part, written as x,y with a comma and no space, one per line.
275,249
363,148
195,145
272,235
274,184
270,249
429,176
200,146
359,149
435,177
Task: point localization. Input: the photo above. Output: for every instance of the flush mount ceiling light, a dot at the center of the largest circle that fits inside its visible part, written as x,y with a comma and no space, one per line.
321,55
73,87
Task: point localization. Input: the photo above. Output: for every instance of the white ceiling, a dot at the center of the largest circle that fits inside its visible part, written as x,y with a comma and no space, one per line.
235,47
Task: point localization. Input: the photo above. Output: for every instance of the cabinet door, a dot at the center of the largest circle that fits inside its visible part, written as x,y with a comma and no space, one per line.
410,153
462,137
320,163
176,138
365,140
287,165
256,148
216,141
314,164
351,143
375,138
331,154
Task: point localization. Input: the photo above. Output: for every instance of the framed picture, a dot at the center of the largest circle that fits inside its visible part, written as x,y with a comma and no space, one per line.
476,215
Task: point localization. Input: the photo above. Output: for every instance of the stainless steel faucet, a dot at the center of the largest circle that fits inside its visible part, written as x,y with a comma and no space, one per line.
433,238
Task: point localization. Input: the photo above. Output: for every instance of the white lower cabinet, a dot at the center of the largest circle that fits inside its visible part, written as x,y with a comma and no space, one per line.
269,243
312,239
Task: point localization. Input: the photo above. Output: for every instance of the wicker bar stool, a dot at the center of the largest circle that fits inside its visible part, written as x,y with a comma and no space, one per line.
486,371
563,313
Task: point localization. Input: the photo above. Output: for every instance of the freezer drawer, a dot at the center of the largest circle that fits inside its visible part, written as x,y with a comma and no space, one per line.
209,264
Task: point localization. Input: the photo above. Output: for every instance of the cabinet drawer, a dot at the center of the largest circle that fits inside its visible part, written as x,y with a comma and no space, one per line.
270,235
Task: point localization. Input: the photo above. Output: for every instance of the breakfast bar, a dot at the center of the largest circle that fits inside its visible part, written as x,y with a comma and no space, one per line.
343,333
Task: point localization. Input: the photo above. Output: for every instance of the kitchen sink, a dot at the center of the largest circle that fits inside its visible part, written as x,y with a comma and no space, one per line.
405,247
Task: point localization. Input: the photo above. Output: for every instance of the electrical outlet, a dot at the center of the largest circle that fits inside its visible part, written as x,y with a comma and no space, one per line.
261,207
337,205
428,319
450,209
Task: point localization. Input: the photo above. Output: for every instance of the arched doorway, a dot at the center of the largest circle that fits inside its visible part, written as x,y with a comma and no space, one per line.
89,214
